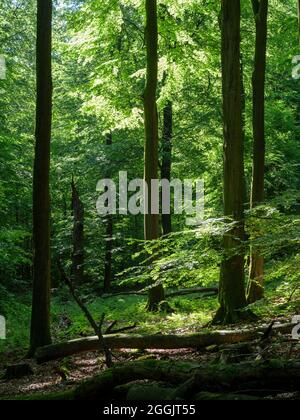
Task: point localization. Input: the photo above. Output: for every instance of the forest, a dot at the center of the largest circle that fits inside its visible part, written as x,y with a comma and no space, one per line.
150,200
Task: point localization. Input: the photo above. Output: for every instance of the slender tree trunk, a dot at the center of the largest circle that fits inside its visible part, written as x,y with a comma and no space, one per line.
298,6
243,92
40,319
297,122
108,254
232,291
167,158
156,294
77,270
108,220
260,10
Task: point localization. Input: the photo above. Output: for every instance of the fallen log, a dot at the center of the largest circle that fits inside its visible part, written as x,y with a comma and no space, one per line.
170,294
186,381
183,292
272,375
157,341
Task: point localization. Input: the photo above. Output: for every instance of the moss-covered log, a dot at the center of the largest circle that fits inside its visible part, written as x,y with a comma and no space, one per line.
272,375
157,341
189,381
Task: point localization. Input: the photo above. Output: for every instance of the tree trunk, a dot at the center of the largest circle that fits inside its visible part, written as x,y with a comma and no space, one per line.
108,254
108,220
167,159
40,318
77,270
243,93
298,4
260,10
156,341
232,291
156,294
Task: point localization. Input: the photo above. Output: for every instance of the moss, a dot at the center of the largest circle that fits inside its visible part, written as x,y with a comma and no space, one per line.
208,396
54,396
146,357
154,391
97,387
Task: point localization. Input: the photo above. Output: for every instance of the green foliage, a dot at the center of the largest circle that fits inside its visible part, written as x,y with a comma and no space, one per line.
17,315
99,77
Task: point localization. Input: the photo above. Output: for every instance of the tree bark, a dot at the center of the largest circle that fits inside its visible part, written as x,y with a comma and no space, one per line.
167,159
156,294
232,291
136,341
40,318
108,254
298,5
108,220
77,270
260,10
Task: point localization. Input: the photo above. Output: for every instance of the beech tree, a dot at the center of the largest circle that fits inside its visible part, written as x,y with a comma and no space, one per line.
298,5
156,294
99,60
77,269
40,319
232,291
260,10
109,228
166,164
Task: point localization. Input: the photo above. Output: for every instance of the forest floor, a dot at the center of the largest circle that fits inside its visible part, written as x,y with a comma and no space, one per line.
63,375
192,313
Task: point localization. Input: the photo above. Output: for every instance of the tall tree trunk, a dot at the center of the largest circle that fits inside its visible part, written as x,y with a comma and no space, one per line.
77,270
243,92
108,254
260,10
156,294
232,291
166,165
108,220
297,119
298,5
40,318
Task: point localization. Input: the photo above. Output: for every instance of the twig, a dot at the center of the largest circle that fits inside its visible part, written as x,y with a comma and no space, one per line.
268,331
88,315
293,292
130,327
110,327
